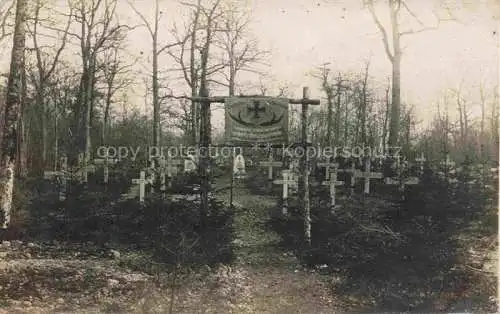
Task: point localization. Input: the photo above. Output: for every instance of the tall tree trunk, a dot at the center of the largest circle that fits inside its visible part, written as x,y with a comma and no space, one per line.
395,102
494,127
364,104
329,127
88,115
338,111
156,102
13,106
396,76
194,77
346,123
461,122
56,140
43,121
482,140
105,121
232,78
22,167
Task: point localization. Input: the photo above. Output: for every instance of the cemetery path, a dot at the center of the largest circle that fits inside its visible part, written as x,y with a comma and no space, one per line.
276,281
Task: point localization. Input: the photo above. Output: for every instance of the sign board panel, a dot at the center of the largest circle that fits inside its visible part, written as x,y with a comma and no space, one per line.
256,120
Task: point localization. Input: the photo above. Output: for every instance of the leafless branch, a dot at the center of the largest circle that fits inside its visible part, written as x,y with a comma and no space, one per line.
6,9
381,28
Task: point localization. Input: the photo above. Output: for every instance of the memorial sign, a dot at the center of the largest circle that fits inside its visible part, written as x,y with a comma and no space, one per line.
262,120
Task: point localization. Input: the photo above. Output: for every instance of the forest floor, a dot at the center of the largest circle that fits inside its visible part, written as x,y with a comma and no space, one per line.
266,275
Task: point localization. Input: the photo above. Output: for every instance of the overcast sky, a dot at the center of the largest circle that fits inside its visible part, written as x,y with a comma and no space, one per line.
303,34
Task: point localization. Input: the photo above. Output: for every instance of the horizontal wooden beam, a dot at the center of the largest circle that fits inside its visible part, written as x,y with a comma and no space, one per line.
222,99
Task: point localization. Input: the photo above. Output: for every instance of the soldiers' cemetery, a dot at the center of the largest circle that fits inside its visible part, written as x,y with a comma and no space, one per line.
223,156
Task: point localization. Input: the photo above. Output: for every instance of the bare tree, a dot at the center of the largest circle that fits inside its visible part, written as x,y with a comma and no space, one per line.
241,52
12,110
340,88
99,31
6,10
195,61
114,71
153,29
364,103
45,66
394,55
329,90
385,130
210,16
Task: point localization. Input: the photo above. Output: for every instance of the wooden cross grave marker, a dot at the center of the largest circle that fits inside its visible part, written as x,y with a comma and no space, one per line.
332,183
172,167
105,162
447,164
271,164
142,185
164,165
285,181
420,160
150,172
353,172
83,169
401,182
328,165
190,163
61,177
367,175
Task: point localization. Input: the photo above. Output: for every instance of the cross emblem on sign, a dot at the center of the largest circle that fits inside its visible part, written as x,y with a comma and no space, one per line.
256,109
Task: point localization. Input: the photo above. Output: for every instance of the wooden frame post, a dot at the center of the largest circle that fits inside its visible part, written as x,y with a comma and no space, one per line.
305,170
204,159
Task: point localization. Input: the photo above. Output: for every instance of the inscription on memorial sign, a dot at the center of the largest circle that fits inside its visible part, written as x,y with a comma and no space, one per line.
260,120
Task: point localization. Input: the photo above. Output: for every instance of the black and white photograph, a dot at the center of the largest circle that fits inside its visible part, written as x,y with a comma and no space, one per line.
249,156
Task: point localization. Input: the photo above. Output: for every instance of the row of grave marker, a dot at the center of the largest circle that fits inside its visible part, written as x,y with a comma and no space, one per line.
169,166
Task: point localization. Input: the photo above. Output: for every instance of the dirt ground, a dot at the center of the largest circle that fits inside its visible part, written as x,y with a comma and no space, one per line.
267,276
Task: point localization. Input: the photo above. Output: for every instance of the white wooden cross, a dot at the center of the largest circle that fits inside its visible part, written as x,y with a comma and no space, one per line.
353,172
420,160
142,185
332,183
402,182
105,162
62,175
327,166
83,168
172,167
367,175
447,163
190,163
285,181
270,164
151,174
